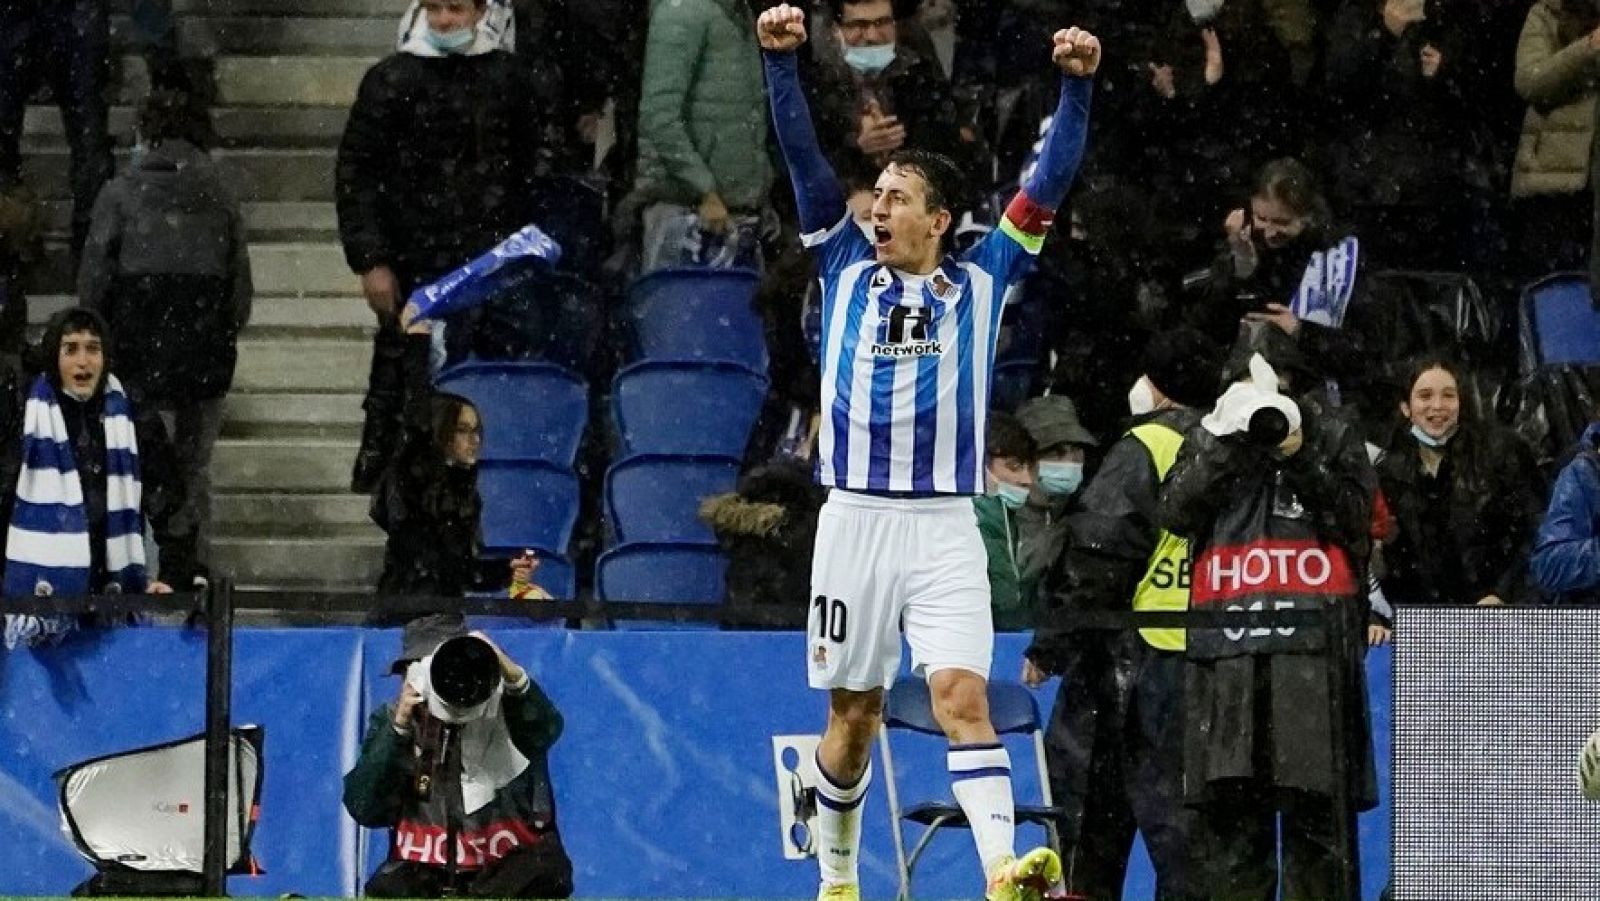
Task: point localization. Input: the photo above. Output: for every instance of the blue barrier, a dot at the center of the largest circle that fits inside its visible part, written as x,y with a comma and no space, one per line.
663,778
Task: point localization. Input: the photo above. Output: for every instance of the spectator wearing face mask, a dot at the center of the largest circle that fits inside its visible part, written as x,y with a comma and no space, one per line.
1010,479
874,93
1466,497
1064,446
1115,743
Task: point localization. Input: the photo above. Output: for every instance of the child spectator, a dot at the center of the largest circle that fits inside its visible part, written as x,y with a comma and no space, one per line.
168,266
1064,446
1011,458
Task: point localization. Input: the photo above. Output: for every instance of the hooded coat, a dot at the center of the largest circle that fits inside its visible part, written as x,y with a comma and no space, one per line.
768,529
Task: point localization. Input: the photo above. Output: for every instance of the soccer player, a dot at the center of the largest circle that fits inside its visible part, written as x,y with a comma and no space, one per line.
908,346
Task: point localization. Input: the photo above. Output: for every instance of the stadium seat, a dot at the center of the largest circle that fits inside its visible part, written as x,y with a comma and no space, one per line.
1560,324
555,573
703,315
527,505
1012,383
686,408
530,411
653,497
662,573
909,707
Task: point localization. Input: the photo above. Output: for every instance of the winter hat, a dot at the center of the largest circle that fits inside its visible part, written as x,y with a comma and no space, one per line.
423,635
1184,365
1052,420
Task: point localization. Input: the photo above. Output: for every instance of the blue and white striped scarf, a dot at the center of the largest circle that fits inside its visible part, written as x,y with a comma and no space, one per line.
47,546
1328,282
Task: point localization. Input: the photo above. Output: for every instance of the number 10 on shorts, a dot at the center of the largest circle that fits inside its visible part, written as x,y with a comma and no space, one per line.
831,618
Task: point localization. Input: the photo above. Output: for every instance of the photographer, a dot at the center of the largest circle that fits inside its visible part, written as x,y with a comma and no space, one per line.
458,763
1274,492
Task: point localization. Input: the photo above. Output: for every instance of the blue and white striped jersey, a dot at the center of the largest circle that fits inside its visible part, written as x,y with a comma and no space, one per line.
906,361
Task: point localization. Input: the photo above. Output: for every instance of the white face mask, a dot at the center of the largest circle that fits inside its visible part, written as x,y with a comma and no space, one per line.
1141,397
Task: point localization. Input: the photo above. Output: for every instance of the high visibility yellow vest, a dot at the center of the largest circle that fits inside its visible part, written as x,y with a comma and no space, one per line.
1165,585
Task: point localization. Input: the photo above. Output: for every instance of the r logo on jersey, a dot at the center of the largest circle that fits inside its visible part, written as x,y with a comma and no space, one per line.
905,333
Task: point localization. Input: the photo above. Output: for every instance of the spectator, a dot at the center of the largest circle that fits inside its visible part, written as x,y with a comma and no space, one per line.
462,753
87,468
427,500
440,160
1464,495
19,245
1411,159
878,94
1115,743
1011,457
703,171
1259,740
1566,557
1556,60
168,265
768,528
1063,447
66,43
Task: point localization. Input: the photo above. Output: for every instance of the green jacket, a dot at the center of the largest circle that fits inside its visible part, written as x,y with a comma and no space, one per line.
1560,84
1010,590
703,114
378,790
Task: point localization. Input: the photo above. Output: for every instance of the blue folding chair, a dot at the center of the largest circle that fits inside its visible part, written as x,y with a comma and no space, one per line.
653,497
909,707
527,505
1560,324
698,314
530,411
662,573
1012,383
686,408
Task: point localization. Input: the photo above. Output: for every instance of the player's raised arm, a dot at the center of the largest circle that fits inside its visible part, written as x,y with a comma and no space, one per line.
781,30
1044,189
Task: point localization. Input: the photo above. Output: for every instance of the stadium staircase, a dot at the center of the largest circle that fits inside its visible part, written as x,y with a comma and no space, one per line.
286,74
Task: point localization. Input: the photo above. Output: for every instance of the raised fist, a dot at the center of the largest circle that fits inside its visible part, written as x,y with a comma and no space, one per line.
781,28
1076,51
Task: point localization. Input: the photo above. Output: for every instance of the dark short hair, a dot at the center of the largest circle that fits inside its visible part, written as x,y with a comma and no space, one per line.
1293,184
946,187
1007,439
836,7
174,115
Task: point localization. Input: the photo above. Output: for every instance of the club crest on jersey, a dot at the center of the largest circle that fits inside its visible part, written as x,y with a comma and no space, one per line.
942,287
905,333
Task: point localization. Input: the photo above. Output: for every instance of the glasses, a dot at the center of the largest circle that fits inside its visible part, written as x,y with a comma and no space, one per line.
857,27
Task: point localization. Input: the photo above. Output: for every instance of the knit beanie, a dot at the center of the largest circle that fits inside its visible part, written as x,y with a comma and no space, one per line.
1184,365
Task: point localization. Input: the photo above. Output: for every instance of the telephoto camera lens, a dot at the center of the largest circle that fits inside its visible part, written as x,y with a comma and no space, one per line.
1268,427
464,672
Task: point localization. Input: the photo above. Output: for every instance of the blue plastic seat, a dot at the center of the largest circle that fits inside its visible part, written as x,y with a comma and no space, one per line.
527,505
652,497
662,573
908,706
696,314
530,411
1560,324
686,408
1012,383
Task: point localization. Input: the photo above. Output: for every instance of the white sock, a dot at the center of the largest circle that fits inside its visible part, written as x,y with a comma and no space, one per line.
980,775
839,826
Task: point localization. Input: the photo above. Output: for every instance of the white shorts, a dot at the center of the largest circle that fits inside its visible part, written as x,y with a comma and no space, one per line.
883,566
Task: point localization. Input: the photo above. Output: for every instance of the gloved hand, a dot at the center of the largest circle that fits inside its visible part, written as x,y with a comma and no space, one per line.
1589,768
1231,415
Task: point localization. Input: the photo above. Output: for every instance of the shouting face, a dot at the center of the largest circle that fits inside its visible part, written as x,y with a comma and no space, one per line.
81,362
906,230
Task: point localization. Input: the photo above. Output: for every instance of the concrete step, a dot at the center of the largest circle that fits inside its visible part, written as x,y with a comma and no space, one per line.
207,35
299,562
287,80
303,465
251,126
294,269
384,9
298,222
254,173
303,365
253,514
271,317
254,414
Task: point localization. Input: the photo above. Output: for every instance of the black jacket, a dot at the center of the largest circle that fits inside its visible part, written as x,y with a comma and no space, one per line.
429,508
913,89
1112,537
1466,533
439,161
768,529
